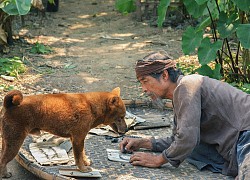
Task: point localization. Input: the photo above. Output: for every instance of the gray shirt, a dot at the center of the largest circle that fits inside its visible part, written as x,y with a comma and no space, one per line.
206,110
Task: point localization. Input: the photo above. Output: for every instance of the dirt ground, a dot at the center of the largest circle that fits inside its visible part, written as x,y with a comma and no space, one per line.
94,49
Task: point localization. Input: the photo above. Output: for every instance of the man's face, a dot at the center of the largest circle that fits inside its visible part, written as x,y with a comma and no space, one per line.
152,87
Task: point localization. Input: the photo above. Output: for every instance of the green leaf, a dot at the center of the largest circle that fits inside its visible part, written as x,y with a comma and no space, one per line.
205,70
17,7
243,34
161,11
208,51
10,87
212,7
195,9
200,2
125,6
51,1
227,25
205,23
40,49
216,72
11,66
190,40
246,88
244,5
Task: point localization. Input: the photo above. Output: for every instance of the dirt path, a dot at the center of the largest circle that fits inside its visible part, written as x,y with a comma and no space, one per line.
95,49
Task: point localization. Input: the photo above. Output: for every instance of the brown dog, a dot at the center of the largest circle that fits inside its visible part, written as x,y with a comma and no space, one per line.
65,115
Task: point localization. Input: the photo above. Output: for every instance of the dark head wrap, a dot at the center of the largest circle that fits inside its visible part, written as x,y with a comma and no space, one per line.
155,62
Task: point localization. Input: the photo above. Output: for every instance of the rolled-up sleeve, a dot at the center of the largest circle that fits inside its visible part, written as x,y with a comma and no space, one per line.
159,145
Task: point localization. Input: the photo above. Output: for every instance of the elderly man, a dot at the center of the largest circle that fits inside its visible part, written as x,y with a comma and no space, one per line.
211,120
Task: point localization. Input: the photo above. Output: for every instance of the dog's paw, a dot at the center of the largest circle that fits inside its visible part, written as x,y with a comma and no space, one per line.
85,169
6,175
87,162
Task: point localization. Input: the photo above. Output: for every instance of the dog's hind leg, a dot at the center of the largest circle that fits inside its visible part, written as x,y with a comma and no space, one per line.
81,160
11,143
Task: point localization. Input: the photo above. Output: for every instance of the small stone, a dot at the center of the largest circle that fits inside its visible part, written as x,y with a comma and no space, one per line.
55,91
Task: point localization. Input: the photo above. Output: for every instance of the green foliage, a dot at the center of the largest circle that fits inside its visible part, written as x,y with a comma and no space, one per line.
207,50
125,6
195,8
207,71
5,87
244,87
227,24
191,39
228,20
51,1
11,66
243,5
243,33
161,11
39,48
16,7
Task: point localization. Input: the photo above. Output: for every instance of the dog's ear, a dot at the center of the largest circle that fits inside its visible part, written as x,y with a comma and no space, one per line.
116,91
114,101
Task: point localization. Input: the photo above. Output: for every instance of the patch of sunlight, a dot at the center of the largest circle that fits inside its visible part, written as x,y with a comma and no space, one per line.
70,40
128,46
101,14
139,45
122,35
85,16
88,79
49,39
80,26
110,36
89,16
23,32
46,40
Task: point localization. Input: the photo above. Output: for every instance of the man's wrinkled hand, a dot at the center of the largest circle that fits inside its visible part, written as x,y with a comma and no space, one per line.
147,159
133,144
128,145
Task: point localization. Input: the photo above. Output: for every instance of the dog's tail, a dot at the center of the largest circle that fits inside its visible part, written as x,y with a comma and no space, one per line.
13,98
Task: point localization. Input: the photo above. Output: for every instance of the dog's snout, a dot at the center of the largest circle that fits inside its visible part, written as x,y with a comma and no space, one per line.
123,130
